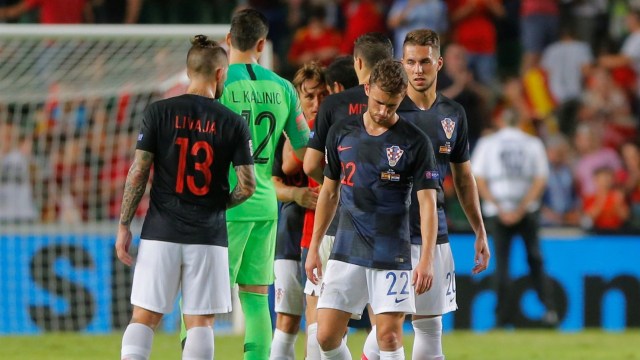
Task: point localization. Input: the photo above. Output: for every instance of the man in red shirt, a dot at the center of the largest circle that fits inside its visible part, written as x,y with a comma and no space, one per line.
51,11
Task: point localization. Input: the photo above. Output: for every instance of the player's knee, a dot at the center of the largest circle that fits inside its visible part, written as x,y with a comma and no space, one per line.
288,323
146,317
389,339
328,340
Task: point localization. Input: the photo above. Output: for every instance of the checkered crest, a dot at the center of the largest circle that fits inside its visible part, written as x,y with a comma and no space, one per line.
394,154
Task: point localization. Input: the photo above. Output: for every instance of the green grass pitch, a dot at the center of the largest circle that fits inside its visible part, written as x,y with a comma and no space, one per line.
458,345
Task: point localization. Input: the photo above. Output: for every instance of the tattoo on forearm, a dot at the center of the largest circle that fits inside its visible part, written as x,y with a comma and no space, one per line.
244,188
135,185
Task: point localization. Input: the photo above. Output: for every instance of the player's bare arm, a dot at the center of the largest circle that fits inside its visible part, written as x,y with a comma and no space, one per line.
467,191
134,189
291,163
325,210
423,273
313,163
245,187
303,196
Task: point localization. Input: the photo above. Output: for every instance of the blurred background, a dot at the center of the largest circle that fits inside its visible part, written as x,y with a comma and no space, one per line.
71,100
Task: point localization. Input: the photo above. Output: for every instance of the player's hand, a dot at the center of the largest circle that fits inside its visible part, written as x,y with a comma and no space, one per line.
423,276
482,254
313,263
123,241
306,197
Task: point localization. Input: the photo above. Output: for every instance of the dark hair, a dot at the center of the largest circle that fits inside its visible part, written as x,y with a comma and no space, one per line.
247,27
422,37
205,56
308,71
341,71
373,47
389,76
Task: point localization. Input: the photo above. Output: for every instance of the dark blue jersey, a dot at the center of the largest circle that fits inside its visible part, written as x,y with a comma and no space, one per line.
335,108
194,140
291,217
376,175
445,123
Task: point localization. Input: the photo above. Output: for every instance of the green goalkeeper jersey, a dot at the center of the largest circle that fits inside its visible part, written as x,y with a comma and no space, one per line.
270,105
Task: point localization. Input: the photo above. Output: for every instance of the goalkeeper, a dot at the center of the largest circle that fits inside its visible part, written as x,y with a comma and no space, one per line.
270,105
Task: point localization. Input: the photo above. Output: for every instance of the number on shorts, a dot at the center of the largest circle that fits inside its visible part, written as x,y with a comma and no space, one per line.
451,279
394,278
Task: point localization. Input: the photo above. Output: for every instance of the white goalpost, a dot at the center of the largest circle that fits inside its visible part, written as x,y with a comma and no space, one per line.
71,98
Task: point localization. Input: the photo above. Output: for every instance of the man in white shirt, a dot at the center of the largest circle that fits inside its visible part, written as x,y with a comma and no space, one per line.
511,170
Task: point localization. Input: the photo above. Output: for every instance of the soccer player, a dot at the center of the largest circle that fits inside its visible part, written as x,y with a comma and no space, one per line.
373,161
369,49
270,105
191,141
298,195
445,123
340,74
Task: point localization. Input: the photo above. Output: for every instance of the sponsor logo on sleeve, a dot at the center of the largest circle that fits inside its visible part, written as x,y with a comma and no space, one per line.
140,136
432,175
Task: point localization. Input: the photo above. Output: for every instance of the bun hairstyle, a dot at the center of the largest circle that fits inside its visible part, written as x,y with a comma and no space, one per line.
203,41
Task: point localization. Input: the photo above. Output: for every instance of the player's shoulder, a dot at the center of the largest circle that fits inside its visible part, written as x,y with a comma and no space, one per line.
409,130
350,95
446,105
347,124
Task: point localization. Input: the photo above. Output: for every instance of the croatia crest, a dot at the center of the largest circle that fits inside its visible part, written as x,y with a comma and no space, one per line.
394,154
448,125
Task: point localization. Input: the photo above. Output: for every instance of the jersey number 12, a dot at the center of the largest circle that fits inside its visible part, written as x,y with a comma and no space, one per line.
271,120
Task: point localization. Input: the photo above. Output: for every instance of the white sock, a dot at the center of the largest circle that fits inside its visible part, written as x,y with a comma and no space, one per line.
340,353
199,344
427,344
313,347
371,350
136,342
397,354
282,346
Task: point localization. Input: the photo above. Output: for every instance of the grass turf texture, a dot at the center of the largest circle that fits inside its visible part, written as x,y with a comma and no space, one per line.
458,345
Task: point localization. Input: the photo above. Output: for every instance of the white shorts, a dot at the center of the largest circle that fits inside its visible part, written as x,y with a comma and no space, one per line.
441,298
324,251
200,271
350,287
288,287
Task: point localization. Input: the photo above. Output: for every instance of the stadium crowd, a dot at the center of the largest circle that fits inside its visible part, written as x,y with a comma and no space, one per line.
568,67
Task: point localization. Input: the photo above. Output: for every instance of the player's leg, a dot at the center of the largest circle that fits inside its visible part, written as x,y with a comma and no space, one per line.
254,276
289,305
313,292
339,298
155,286
389,335
205,292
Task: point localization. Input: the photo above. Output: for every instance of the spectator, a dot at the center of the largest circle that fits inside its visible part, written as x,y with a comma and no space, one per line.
456,82
560,205
606,209
539,21
511,169
629,180
361,17
52,11
473,27
591,156
567,63
407,15
316,41
117,11
589,19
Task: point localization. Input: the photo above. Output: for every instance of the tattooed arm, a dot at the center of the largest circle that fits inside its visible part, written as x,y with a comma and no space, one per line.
134,188
245,187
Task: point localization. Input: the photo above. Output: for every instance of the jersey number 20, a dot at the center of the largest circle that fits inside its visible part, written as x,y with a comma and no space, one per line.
203,166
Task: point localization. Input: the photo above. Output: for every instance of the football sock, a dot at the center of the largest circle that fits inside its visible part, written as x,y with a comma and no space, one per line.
340,353
257,337
370,350
427,344
313,348
199,344
136,342
397,354
183,329
282,346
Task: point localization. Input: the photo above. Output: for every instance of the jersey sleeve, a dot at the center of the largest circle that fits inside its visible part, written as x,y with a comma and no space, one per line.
296,126
276,170
321,127
332,168
460,152
425,170
243,150
147,138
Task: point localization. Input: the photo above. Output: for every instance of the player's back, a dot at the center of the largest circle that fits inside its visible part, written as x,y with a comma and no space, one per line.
270,105
194,139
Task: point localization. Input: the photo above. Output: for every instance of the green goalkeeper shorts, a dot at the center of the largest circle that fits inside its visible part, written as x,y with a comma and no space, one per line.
251,251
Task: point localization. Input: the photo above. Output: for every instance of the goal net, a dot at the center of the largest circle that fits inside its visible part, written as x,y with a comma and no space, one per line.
72,98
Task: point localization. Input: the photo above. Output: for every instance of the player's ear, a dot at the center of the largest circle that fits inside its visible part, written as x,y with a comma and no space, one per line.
367,89
440,63
227,40
260,45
